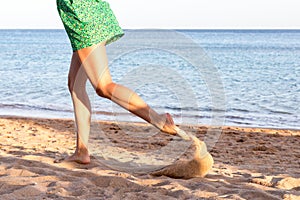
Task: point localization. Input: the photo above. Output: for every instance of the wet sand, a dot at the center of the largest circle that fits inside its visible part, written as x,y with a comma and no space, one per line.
249,163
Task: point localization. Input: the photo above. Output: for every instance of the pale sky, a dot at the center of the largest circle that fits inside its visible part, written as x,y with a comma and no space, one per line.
202,14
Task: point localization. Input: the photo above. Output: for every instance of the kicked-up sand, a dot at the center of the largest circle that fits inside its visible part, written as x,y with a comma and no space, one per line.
249,163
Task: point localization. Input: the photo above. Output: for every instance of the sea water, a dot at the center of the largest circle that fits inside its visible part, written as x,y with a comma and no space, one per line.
258,73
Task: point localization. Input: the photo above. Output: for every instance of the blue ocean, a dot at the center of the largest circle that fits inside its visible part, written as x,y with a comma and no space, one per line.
248,78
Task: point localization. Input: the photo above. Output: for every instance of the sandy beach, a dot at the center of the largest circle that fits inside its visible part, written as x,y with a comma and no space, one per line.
250,163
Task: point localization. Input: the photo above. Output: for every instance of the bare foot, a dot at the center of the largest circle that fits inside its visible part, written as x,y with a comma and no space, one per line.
169,126
81,158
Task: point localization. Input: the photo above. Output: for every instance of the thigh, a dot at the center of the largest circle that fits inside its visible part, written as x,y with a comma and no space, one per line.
77,77
95,63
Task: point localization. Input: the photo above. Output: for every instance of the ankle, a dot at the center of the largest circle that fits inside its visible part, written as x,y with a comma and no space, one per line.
82,150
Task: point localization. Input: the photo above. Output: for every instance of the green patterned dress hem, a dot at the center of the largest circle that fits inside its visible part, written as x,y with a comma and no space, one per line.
109,39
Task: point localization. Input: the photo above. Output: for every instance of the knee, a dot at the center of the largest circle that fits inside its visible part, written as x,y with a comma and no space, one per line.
105,90
76,85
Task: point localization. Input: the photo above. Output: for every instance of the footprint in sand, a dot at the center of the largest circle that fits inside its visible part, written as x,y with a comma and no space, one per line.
200,164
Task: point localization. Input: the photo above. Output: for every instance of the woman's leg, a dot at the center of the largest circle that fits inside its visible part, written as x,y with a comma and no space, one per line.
95,63
82,109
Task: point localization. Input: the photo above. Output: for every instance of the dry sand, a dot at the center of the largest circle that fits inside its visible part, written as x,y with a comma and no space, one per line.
250,163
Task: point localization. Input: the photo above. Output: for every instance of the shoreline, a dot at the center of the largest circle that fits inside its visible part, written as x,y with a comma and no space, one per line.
143,122
250,163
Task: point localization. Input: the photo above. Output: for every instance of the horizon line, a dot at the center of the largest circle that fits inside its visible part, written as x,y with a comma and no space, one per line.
221,29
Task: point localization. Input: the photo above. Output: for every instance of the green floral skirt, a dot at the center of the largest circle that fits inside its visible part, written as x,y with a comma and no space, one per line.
88,22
